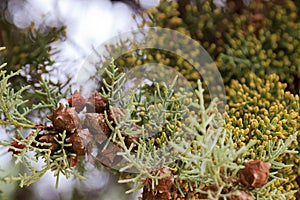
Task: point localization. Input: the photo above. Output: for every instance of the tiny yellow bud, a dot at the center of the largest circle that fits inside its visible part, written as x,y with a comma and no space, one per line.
254,124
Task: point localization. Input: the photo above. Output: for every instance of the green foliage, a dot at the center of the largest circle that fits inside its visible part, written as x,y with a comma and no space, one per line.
58,162
11,101
29,47
29,50
14,112
256,48
169,56
156,128
262,38
196,146
113,84
13,107
261,110
264,43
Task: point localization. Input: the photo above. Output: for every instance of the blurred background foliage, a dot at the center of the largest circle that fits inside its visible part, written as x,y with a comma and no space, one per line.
262,37
30,50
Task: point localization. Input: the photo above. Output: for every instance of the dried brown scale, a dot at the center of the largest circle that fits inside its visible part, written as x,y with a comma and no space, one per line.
241,195
73,162
49,138
163,188
108,157
86,138
77,101
255,174
65,119
96,123
43,127
148,195
230,194
96,103
175,194
131,139
77,143
16,145
213,189
165,184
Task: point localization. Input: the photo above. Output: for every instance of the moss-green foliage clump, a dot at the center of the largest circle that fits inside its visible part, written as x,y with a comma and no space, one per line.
262,37
262,110
256,48
198,153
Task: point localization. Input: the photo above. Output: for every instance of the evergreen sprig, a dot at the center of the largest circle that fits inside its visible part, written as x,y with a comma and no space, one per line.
162,136
153,116
11,102
22,158
59,162
13,108
201,150
28,150
113,84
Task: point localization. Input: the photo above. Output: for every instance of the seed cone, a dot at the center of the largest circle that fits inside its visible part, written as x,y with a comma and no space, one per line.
255,174
96,124
77,143
49,138
96,103
64,118
77,101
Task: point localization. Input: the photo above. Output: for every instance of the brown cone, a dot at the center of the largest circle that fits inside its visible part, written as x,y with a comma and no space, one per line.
77,101
96,124
255,174
64,118
77,143
49,138
96,103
